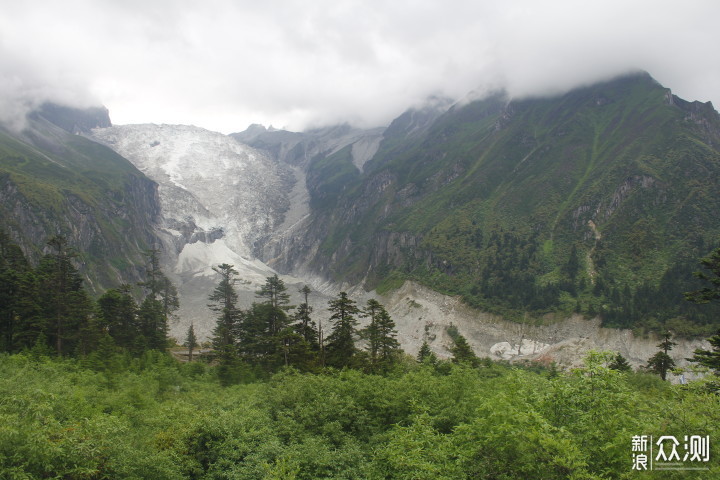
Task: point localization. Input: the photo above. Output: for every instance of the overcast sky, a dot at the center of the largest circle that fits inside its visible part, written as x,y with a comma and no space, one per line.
223,64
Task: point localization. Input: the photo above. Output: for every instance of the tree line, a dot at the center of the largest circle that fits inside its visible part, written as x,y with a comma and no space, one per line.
272,334
46,308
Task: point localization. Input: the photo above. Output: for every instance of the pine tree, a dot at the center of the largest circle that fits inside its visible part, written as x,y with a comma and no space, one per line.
266,336
65,305
224,302
711,293
153,274
661,363
275,294
153,325
463,352
620,364
340,349
426,355
117,314
225,334
159,287
380,333
19,325
304,324
190,342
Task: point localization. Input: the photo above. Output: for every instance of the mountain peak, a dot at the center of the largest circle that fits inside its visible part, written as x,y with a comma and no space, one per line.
75,120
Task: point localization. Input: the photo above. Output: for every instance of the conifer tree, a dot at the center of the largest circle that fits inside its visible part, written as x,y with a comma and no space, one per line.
463,352
380,333
224,336
153,325
661,363
340,349
620,364
117,314
190,342
19,322
159,287
274,293
710,293
65,305
268,337
426,355
304,325
224,302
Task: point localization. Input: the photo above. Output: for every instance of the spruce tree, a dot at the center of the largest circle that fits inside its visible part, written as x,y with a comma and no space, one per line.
463,352
65,305
661,363
190,342
117,314
159,288
274,293
340,349
304,324
620,364
710,293
224,302
425,355
19,321
266,336
708,358
225,334
380,333
153,325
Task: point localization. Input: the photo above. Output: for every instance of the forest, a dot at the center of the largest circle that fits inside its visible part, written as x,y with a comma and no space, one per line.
88,390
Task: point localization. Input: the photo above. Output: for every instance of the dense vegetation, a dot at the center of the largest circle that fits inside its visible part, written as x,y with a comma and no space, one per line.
46,308
92,395
257,341
597,201
153,417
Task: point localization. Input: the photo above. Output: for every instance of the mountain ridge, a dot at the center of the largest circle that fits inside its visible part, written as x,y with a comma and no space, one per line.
578,203
53,182
621,172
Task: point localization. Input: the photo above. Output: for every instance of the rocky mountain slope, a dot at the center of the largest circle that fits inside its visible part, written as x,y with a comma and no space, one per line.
599,201
55,182
509,220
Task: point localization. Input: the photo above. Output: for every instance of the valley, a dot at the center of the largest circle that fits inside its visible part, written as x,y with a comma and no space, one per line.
571,215
270,201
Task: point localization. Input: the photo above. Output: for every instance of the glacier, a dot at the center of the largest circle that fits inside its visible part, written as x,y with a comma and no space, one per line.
219,199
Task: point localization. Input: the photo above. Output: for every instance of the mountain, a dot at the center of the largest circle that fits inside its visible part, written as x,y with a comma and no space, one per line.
600,200
594,204
220,201
55,182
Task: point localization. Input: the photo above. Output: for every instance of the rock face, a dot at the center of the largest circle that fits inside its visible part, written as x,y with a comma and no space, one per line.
53,182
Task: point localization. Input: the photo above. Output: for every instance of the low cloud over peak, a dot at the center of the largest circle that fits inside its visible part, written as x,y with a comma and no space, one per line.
225,64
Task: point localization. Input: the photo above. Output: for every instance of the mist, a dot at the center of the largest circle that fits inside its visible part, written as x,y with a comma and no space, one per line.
224,64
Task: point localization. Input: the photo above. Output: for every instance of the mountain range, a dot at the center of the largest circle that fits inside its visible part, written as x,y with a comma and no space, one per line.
596,203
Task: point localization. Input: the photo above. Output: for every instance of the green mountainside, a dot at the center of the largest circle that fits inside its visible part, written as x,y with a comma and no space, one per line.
597,201
54,182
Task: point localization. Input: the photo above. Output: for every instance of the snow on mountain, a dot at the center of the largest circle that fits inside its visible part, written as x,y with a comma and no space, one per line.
207,180
219,198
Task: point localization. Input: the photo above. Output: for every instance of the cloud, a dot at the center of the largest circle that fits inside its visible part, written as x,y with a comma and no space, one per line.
224,64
